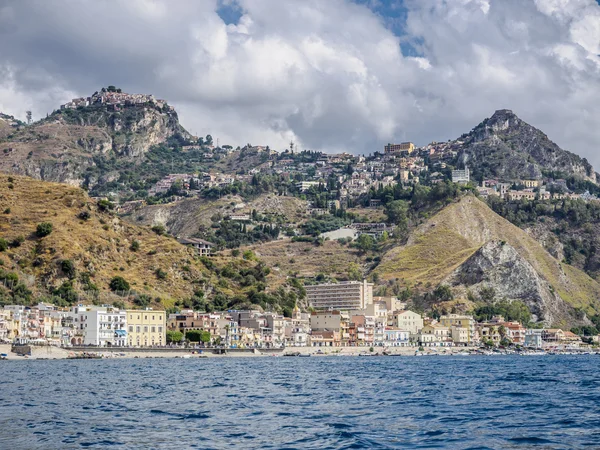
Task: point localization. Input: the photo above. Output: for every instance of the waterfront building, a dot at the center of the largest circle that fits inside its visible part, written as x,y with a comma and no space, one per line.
100,326
434,335
146,328
533,338
456,322
347,295
406,320
395,337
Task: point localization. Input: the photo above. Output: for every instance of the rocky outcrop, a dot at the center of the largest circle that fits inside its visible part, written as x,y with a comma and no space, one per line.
88,146
497,265
505,146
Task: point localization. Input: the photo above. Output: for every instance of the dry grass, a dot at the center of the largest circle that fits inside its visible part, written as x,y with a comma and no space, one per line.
446,240
308,260
99,245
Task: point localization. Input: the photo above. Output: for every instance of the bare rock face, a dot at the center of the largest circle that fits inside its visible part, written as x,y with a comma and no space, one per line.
507,147
499,266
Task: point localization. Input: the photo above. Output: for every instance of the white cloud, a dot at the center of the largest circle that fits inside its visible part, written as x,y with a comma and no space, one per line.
327,74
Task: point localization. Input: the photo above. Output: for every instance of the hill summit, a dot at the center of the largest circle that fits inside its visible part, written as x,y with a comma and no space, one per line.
76,143
507,147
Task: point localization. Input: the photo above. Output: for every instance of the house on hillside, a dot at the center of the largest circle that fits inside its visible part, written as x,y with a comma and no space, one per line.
204,248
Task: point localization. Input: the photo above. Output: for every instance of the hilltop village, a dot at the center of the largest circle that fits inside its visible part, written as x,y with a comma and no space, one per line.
346,178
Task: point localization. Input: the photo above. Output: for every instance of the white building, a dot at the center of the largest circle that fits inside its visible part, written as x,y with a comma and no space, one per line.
100,326
461,176
406,320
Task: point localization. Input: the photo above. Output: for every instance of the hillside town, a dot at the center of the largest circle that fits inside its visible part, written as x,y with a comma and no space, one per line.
344,314
347,177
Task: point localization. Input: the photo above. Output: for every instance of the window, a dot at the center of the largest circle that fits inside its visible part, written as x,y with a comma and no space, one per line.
137,329
145,329
160,329
145,317
152,317
131,328
153,329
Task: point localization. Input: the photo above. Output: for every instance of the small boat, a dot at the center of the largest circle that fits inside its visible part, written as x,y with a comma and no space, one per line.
3,356
304,355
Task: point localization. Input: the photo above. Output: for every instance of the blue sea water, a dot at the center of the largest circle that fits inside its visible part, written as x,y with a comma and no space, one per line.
549,402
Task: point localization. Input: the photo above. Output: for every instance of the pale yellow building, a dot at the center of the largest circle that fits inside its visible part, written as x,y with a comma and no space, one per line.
407,147
457,321
146,328
406,320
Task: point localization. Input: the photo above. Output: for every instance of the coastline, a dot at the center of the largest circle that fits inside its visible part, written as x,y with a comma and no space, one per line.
50,352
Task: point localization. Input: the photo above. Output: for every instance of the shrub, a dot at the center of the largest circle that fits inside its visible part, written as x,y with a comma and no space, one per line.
249,255
43,229
3,245
11,186
105,205
161,274
119,284
68,268
235,252
84,215
135,246
159,229
142,300
7,211
11,179
16,242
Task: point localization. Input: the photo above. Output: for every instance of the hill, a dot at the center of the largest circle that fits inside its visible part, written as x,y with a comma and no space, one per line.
184,218
438,249
508,148
91,142
89,245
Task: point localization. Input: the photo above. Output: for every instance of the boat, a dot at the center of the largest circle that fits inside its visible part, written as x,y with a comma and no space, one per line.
3,356
304,355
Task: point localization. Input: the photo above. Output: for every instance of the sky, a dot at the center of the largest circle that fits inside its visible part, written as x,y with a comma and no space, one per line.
331,75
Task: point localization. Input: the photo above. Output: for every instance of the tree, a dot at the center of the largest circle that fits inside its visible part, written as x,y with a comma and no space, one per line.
365,242
208,140
193,335
28,115
443,293
174,337
502,331
119,284
43,229
68,268
159,229
3,245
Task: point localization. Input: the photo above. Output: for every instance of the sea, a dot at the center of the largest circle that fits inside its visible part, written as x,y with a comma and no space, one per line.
456,402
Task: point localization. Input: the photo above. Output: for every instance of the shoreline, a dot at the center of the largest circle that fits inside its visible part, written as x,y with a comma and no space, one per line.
50,352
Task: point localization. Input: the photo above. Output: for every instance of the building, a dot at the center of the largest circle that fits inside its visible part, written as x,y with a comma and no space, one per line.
461,176
204,248
395,337
406,320
457,323
533,338
434,335
404,147
99,326
347,295
304,186
146,327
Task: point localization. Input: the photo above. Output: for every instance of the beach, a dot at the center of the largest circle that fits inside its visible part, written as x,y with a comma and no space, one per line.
51,352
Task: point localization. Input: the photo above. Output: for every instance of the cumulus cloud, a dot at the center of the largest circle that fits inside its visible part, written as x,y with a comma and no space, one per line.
328,75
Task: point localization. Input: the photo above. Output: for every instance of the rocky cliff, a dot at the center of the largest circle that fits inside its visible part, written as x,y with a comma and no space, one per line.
437,250
505,146
498,266
89,145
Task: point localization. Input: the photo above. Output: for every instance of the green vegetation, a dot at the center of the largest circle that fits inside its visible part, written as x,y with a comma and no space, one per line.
174,337
43,229
511,311
68,268
119,284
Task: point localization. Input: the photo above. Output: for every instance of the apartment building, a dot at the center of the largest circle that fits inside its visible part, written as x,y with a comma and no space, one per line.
348,295
406,320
